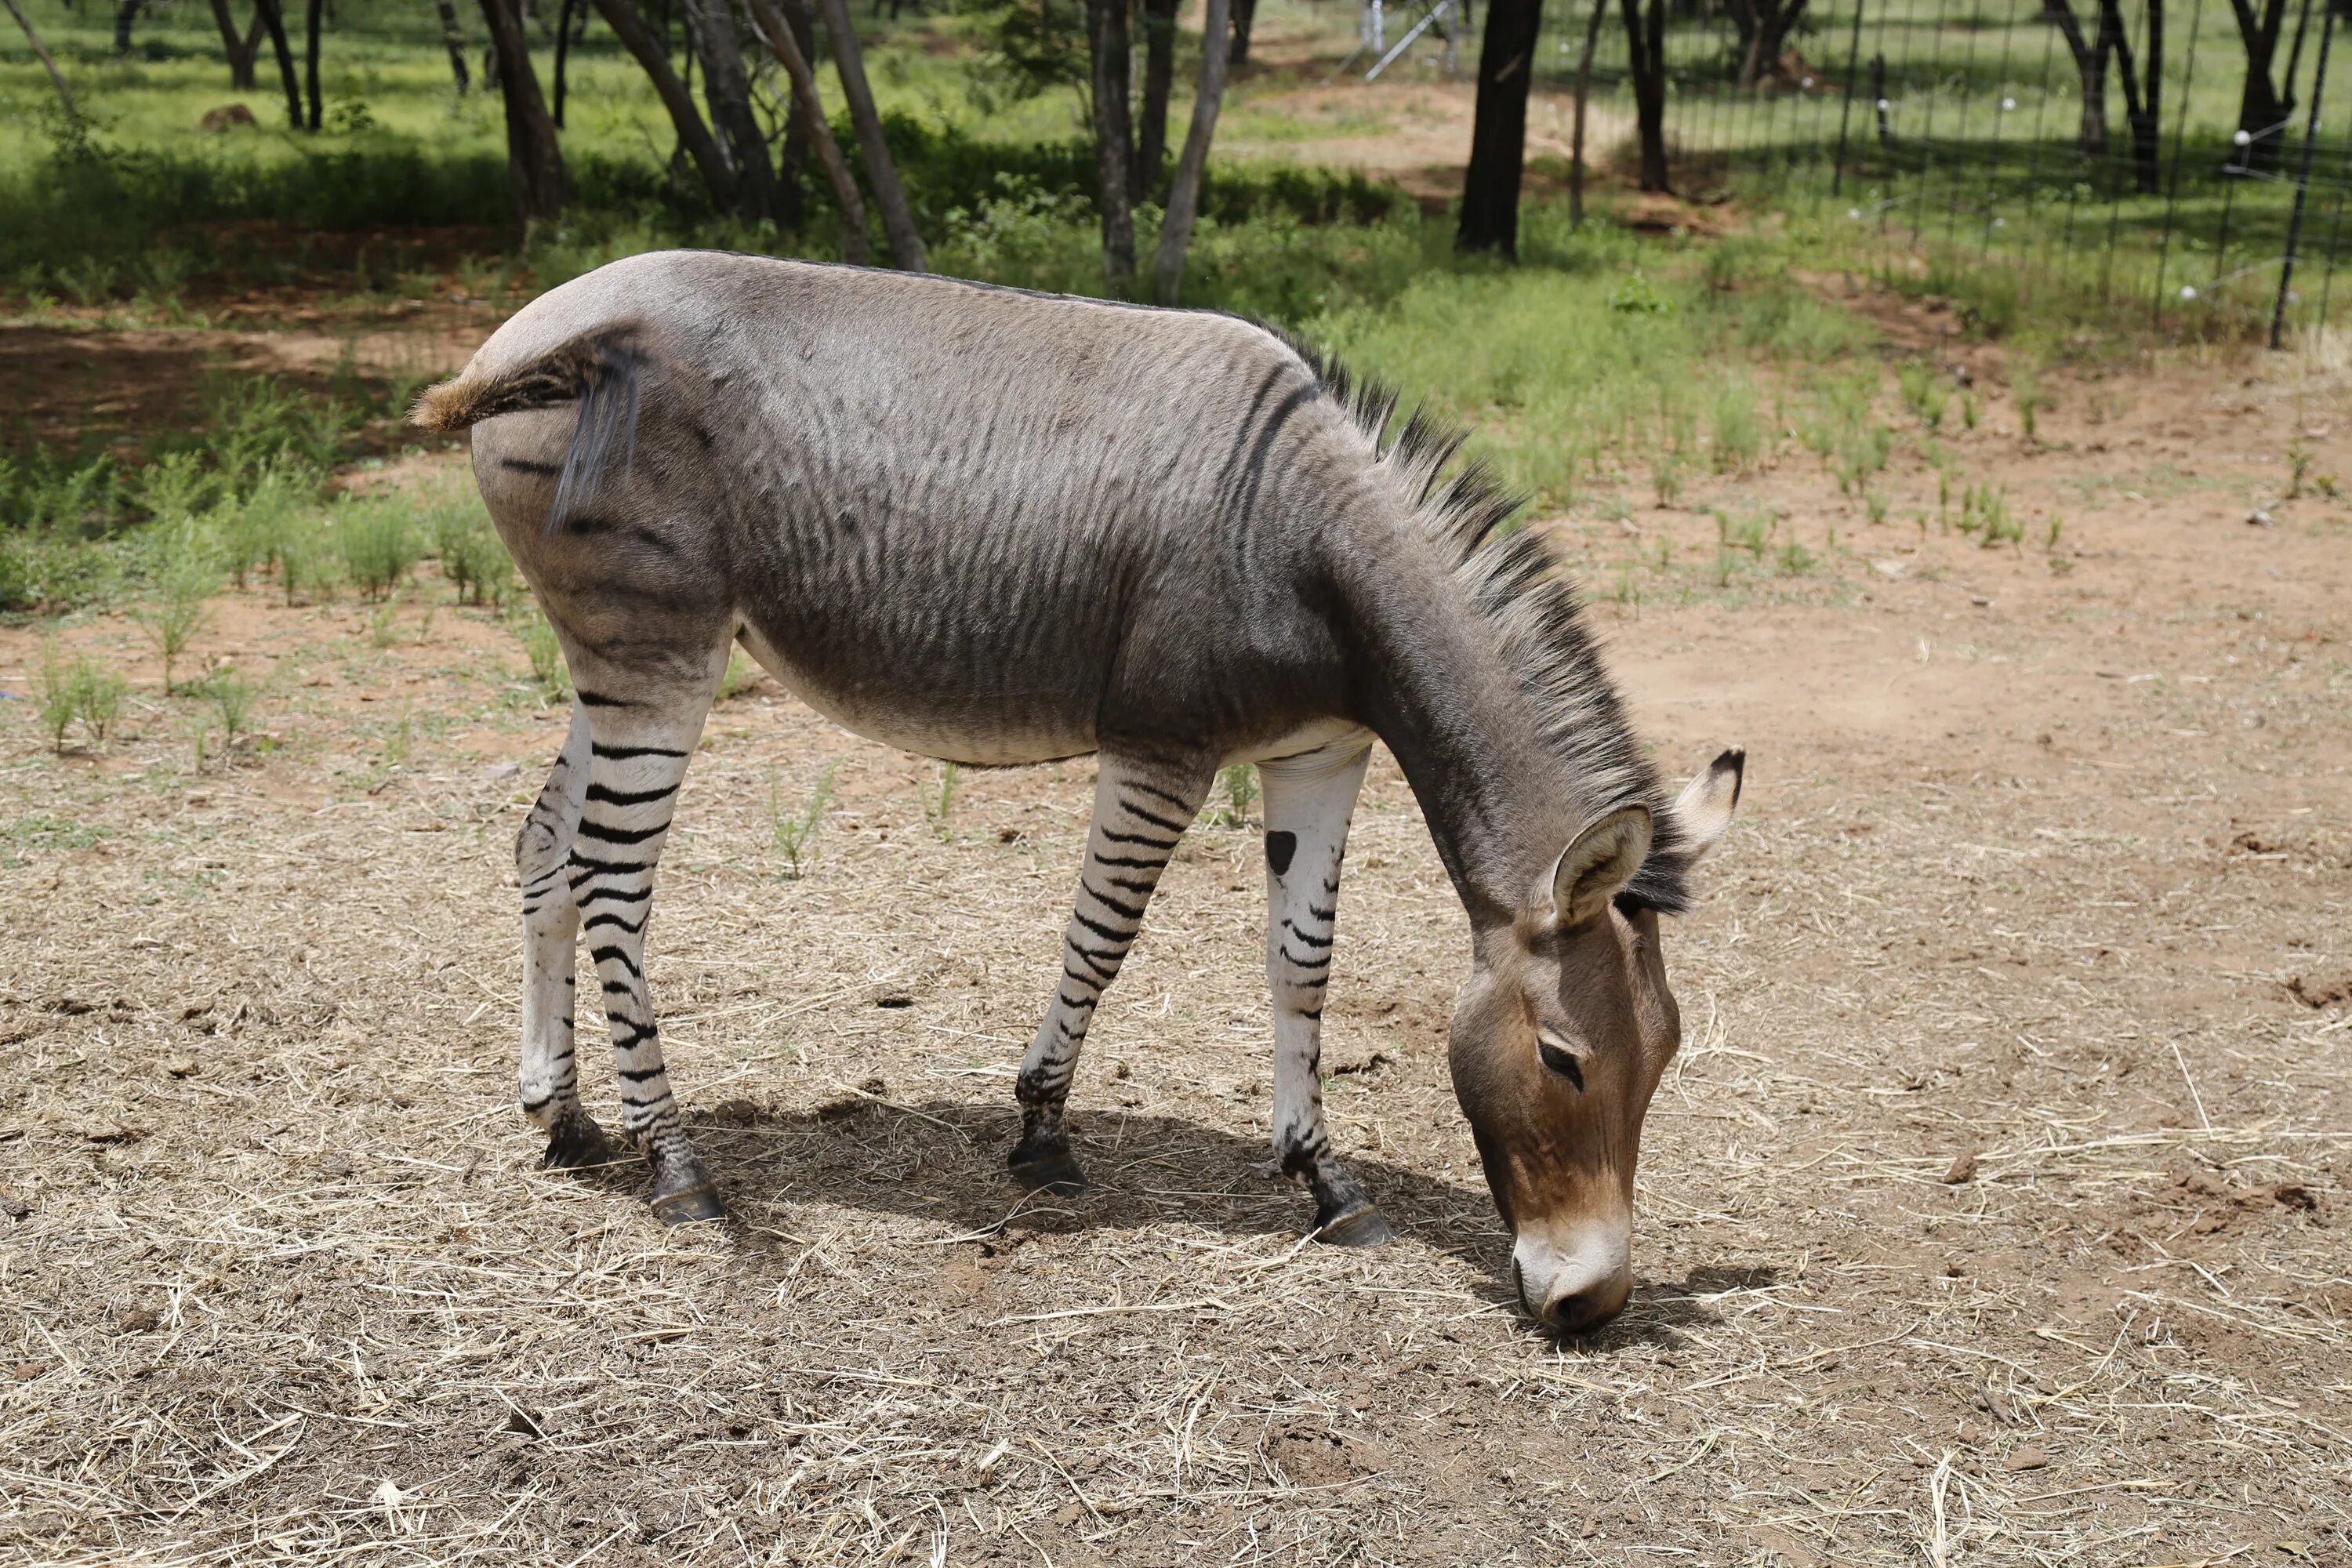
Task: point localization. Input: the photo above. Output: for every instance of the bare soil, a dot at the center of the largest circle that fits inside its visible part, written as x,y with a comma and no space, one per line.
1994,1212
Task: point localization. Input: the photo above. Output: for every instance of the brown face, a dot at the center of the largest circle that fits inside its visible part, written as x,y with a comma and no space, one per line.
1557,1043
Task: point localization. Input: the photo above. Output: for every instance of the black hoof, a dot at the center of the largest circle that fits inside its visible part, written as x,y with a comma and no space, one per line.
1053,1173
689,1206
1362,1224
576,1143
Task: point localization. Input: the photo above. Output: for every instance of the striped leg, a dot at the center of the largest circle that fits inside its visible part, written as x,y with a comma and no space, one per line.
1309,802
637,756
547,1078
1141,809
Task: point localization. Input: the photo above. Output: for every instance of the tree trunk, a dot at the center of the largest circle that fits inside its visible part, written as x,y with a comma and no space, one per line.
2261,112
783,36
2138,115
1583,92
1498,129
1647,70
1158,78
534,158
239,50
126,13
310,62
48,63
651,51
1763,27
1185,192
453,38
898,217
798,141
562,54
726,93
1107,52
275,21
1244,19
2091,68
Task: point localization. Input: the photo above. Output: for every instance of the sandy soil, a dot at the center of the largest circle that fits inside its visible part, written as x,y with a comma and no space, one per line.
1993,1212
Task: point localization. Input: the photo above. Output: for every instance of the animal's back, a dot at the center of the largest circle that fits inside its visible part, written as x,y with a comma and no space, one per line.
962,518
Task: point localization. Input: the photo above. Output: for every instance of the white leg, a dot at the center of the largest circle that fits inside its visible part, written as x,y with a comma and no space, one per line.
1309,800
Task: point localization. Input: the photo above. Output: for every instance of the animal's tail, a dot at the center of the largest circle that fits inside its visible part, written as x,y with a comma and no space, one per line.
600,369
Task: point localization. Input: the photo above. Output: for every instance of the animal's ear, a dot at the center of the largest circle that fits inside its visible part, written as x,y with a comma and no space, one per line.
1703,811
1602,859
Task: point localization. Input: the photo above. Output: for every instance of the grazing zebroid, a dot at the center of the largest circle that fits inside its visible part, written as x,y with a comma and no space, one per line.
997,528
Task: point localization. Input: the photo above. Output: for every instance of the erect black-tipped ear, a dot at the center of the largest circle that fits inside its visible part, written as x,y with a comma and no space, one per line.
1602,859
1701,812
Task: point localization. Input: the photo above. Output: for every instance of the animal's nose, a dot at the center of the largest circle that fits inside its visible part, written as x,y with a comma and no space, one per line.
1581,1311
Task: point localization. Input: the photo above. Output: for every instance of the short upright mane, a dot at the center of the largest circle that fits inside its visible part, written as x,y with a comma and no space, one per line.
1523,595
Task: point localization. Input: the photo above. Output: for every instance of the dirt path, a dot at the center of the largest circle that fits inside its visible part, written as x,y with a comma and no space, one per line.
1994,1212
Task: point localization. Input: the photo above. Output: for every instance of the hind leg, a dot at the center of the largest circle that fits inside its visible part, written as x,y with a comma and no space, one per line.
1308,803
546,1076
1141,809
641,735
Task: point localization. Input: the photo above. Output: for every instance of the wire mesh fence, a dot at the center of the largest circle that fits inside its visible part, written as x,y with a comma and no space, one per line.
2192,157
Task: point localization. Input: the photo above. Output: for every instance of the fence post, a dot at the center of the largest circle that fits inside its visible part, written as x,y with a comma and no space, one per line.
1852,59
2303,180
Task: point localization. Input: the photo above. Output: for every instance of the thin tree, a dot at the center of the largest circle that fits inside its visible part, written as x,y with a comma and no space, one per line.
126,13
2090,69
808,111
726,93
310,24
453,38
651,50
241,50
1107,58
1185,192
897,219
1159,80
2143,101
2262,108
563,20
41,50
534,158
1498,129
1583,93
273,21
1763,27
1646,38
1244,19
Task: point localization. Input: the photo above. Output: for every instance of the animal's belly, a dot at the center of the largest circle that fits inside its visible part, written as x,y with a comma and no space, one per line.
1004,731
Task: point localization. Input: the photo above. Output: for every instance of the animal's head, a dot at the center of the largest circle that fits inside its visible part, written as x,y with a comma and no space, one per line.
1557,1043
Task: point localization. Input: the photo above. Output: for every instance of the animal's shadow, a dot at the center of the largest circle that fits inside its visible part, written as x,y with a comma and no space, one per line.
943,1161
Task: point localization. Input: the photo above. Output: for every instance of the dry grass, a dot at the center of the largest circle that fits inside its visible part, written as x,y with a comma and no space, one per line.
1993,1214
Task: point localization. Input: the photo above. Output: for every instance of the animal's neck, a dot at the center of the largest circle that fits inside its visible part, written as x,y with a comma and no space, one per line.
1500,802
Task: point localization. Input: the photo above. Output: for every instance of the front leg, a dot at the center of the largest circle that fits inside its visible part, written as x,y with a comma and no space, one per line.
1141,809
1309,802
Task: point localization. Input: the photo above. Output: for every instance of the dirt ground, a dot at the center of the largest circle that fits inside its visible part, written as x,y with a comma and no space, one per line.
1994,1210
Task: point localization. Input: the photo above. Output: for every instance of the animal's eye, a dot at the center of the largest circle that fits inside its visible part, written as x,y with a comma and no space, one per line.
1560,1059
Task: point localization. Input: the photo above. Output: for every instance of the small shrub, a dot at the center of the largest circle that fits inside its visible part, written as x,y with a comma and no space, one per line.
939,803
183,575
1926,390
376,543
232,696
1239,783
739,673
545,651
473,558
1738,436
794,833
57,696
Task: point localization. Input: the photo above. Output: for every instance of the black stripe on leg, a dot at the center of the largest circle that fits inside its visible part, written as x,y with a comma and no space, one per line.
639,1075
1124,938
615,896
1177,801
599,954
603,835
599,795
1152,818
624,753
609,919
1132,912
1143,838
1131,863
